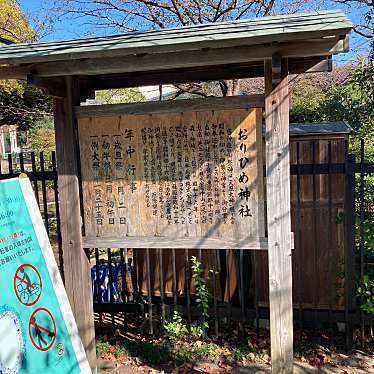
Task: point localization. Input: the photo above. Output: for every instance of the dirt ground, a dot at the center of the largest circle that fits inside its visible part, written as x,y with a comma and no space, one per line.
355,363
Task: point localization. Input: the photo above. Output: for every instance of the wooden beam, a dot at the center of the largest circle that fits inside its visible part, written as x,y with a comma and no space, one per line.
217,72
54,87
202,74
188,59
183,243
171,106
276,62
175,60
213,73
279,221
313,65
76,264
15,72
346,42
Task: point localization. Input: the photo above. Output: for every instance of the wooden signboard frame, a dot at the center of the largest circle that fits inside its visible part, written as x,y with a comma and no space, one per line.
279,237
190,153
72,71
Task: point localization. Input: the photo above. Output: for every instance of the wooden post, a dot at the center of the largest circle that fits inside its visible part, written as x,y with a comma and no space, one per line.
76,263
278,216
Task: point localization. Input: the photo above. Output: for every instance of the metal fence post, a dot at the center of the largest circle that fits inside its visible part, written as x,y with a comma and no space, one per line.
350,213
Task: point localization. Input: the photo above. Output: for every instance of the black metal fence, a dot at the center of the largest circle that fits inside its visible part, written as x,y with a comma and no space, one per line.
41,170
364,239
332,212
324,204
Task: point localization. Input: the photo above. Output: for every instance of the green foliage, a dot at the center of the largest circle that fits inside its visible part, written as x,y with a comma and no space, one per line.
366,292
102,347
175,329
23,105
119,350
14,25
195,351
306,101
183,354
365,287
20,104
146,351
196,330
206,350
160,352
240,352
243,353
202,291
368,221
41,136
352,102
122,95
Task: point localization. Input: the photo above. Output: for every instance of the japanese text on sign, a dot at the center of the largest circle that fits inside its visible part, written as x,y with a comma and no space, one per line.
183,175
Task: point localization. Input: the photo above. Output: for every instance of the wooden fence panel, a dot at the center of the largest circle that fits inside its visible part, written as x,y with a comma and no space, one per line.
317,205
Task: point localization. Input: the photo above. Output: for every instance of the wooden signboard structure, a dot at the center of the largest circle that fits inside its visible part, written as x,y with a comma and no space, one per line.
269,47
173,180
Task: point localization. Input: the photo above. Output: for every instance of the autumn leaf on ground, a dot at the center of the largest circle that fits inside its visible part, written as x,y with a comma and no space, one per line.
225,367
316,362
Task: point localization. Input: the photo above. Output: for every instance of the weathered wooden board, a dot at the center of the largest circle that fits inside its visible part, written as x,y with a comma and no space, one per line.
76,265
175,175
325,287
182,243
279,218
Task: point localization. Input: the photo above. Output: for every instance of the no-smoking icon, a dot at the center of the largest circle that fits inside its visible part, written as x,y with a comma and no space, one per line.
27,284
42,329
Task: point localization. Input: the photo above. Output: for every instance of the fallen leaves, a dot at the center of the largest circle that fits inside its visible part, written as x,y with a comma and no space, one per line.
230,350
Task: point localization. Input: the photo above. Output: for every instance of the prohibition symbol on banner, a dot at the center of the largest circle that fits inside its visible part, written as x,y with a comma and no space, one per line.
60,349
42,329
27,284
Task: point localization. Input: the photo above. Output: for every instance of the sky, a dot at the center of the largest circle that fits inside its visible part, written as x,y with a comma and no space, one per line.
77,28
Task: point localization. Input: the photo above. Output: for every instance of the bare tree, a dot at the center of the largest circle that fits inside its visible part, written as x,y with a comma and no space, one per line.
135,15
158,14
125,15
365,26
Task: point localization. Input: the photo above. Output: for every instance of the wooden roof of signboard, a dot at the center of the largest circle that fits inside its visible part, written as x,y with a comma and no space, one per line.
234,49
271,29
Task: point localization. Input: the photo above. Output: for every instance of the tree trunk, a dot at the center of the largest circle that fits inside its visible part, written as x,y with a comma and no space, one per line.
230,87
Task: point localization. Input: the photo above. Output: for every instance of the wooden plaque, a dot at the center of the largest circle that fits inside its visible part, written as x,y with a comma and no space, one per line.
196,177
